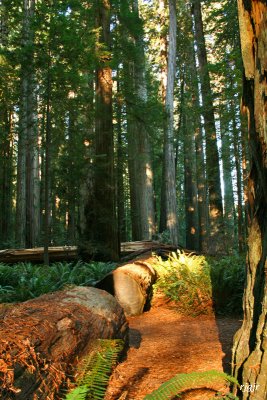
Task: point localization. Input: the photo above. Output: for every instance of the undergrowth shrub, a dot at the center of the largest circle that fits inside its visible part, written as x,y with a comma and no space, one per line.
185,279
197,283
228,276
24,281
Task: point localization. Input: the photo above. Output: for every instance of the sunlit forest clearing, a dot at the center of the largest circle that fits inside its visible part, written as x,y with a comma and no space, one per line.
133,193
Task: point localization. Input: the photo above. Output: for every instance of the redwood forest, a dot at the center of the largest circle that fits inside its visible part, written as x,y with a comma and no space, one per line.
133,199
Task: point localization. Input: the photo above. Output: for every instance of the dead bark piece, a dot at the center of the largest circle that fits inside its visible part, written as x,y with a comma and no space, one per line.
42,339
131,284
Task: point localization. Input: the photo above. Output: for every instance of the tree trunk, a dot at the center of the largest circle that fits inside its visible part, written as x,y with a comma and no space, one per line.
28,192
163,86
6,142
169,181
47,183
238,167
6,174
213,170
20,236
227,168
121,161
250,346
203,212
43,339
139,148
104,231
191,209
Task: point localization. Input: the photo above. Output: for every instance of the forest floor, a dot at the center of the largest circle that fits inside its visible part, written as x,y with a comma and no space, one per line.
164,343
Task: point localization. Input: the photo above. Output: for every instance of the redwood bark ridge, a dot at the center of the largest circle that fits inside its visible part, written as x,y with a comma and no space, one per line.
250,344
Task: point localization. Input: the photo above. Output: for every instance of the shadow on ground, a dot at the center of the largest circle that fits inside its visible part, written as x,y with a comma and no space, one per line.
227,328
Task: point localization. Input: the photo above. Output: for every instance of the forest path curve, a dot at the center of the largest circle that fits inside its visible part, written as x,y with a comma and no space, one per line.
164,343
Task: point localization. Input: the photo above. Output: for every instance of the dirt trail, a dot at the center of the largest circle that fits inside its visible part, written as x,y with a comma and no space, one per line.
164,343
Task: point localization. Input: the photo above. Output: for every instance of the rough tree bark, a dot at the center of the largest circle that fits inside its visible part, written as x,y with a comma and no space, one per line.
250,344
42,340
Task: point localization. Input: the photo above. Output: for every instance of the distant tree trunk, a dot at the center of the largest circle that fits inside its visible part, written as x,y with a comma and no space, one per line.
139,149
47,183
250,351
213,170
191,204
21,177
227,167
238,167
6,174
121,161
163,85
6,144
101,217
72,185
187,121
28,191
169,181
236,120
202,198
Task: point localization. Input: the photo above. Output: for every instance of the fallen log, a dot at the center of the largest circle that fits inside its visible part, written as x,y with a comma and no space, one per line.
42,339
129,250
10,256
131,284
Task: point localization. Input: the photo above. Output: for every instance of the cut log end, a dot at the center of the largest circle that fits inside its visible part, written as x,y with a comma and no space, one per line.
131,284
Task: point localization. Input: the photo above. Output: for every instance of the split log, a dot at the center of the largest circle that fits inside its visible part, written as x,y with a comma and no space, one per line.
42,339
131,284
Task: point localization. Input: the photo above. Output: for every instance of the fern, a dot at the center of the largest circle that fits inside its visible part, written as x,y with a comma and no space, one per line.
95,369
185,279
79,393
182,382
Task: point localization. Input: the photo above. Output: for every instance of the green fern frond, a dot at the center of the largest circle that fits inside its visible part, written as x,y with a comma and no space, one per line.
182,382
95,369
79,393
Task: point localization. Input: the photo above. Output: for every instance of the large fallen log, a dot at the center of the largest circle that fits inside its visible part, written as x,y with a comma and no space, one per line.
11,256
42,339
131,284
129,250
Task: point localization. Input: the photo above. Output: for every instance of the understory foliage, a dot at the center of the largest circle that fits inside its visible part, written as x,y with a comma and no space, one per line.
197,284
228,276
182,382
185,279
95,369
24,281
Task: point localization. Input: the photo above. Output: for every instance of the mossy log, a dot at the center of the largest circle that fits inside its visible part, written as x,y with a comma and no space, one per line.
131,284
43,339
